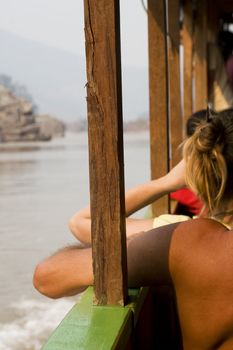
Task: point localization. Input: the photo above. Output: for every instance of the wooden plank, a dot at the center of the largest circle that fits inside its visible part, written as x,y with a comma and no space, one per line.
212,38
102,31
200,56
175,115
158,84
187,41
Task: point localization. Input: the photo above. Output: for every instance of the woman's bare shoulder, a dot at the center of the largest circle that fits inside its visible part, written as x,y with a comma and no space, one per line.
199,228
196,244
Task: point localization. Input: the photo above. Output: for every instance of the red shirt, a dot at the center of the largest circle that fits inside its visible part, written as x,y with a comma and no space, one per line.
188,199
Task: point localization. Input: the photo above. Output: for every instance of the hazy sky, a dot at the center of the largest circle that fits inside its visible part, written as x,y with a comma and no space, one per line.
59,23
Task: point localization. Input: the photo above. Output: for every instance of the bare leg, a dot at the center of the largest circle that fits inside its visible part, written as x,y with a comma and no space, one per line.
66,273
69,271
80,226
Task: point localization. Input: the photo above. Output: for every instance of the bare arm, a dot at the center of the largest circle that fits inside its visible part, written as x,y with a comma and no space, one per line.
135,199
145,194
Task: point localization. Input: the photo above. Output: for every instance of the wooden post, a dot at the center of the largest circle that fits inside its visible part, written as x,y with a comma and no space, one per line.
187,40
104,101
213,27
200,56
158,84
176,120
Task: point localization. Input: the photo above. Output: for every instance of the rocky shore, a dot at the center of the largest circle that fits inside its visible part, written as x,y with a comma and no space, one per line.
18,122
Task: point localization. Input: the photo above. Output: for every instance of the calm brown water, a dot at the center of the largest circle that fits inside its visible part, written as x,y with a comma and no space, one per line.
41,186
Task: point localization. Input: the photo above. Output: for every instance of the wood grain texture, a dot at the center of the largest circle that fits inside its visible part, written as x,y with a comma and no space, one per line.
213,25
175,115
102,32
158,84
187,40
200,56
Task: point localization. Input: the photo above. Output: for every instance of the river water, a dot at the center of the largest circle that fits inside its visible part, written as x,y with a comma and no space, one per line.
41,186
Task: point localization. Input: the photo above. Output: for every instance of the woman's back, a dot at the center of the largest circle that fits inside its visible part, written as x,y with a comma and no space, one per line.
201,266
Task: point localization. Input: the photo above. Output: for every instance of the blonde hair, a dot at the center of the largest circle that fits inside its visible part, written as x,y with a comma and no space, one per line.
206,166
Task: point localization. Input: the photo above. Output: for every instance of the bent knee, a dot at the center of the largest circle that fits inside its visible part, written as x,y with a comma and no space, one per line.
76,225
80,227
39,276
41,280
72,224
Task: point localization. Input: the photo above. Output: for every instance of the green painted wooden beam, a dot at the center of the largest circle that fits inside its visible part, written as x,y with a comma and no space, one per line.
89,327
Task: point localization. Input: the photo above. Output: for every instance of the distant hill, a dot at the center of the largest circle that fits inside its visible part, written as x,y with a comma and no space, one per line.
56,78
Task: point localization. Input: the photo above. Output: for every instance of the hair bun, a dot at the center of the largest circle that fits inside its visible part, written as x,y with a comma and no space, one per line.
210,135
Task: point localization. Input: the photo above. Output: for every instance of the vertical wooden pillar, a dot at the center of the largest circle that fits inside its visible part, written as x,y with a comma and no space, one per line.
200,56
102,31
158,85
212,38
173,42
187,40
